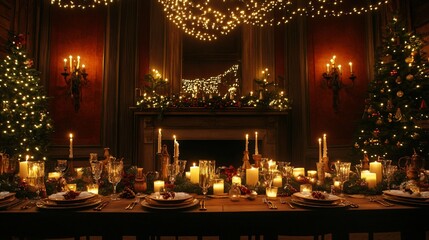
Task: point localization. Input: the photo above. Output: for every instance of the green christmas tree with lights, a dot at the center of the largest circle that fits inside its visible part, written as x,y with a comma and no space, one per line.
25,123
396,112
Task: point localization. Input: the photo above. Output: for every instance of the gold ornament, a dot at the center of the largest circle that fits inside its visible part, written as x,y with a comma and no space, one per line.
370,110
409,59
382,90
410,77
366,142
398,115
398,80
379,121
400,93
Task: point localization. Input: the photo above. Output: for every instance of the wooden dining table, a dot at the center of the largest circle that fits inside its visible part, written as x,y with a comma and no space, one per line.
222,217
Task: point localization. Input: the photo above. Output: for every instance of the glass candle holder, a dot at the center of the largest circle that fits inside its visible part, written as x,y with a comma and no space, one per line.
218,186
271,192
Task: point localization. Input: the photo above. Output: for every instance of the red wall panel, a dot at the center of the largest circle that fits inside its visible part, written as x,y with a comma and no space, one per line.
345,38
77,32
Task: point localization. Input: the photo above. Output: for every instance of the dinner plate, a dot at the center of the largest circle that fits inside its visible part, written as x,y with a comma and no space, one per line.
50,203
329,198
178,197
6,203
225,195
305,204
5,195
161,204
423,196
168,207
59,197
409,202
87,204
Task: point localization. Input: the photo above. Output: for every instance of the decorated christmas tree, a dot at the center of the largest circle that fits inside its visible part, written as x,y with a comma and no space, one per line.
394,122
25,123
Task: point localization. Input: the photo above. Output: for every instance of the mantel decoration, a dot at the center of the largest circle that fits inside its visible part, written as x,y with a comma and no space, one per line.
81,4
75,77
208,19
268,96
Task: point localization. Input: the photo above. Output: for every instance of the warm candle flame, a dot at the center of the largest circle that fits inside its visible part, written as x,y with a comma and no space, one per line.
71,135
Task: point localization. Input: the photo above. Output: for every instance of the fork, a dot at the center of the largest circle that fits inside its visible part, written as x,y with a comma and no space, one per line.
384,203
132,204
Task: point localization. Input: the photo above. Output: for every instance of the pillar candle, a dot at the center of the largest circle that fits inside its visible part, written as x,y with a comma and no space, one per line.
376,167
79,172
72,186
54,175
71,146
195,174
371,179
278,181
159,140
218,187
247,143
311,173
236,180
325,146
92,188
320,150
256,143
252,176
188,175
158,185
23,169
298,171
305,188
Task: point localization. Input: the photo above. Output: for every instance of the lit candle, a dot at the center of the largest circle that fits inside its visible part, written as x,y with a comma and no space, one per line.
351,67
92,188
236,180
256,143
54,175
65,63
371,179
298,172
271,192
159,140
72,186
327,68
23,168
325,146
158,185
247,142
71,146
78,62
218,187
188,174
83,67
337,184
376,167
305,188
278,181
339,68
79,172
272,165
71,63
176,147
320,150
195,174
311,173
252,176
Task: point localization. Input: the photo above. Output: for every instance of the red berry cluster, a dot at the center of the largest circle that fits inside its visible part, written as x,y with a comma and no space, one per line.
71,195
244,190
168,195
318,195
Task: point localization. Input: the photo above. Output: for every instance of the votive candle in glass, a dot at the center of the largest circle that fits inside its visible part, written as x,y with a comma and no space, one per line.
271,192
158,185
218,186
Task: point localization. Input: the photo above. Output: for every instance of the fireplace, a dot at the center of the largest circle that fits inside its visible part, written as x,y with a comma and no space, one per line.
217,135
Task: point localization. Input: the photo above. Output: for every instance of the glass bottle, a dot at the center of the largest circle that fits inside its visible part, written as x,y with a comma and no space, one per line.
234,193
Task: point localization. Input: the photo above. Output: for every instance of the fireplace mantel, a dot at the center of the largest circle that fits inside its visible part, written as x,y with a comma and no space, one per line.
205,124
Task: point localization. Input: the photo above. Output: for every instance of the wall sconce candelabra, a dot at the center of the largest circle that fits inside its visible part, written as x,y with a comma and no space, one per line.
75,77
332,78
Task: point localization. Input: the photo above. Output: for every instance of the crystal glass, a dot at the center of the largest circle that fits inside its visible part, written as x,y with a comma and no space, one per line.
182,167
61,166
207,174
288,170
96,169
343,173
36,176
390,171
114,171
172,171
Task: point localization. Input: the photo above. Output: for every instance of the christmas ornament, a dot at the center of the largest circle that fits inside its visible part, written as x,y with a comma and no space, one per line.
389,105
376,132
386,141
410,77
398,80
423,105
400,93
416,136
379,121
409,60
370,110
357,145
398,144
398,115
393,72
366,142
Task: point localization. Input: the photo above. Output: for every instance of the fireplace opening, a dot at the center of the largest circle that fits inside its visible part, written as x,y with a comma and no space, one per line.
225,152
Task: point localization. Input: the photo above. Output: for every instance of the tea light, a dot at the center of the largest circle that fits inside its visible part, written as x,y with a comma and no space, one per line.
158,185
337,184
252,176
236,180
195,174
72,186
92,188
54,175
376,167
218,186
271,192
188,175
79,172
305,188
298,172
278,181
272,165
311,173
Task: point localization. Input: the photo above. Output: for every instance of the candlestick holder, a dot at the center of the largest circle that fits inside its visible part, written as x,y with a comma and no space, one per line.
246,163
75,79
165,161
325,161
257,158
333,80
320,166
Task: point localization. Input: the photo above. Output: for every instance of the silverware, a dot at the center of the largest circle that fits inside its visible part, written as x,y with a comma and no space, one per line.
203,205
273,206
19,202
28,205
382,202
132,204
101,205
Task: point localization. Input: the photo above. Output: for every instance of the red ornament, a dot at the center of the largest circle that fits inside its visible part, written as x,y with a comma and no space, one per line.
423,105
393,72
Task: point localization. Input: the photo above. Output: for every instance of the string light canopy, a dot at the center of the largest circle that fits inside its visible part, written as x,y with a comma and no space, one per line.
83,4
208,19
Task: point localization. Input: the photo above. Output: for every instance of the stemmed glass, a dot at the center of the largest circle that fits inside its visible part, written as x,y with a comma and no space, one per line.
61,166
172,171
114,170
390,171
182,167
207,174
97,169
343,173
288,171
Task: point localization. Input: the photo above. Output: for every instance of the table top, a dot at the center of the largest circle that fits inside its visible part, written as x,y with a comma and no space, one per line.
241,217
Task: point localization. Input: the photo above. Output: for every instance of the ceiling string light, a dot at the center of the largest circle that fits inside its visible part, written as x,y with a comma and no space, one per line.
83,4
209,19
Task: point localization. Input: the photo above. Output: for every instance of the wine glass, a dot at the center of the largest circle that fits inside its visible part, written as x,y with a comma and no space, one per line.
97,169
114,171
390,171
343,173
207,174
182,167
172,171
288,169
61,166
